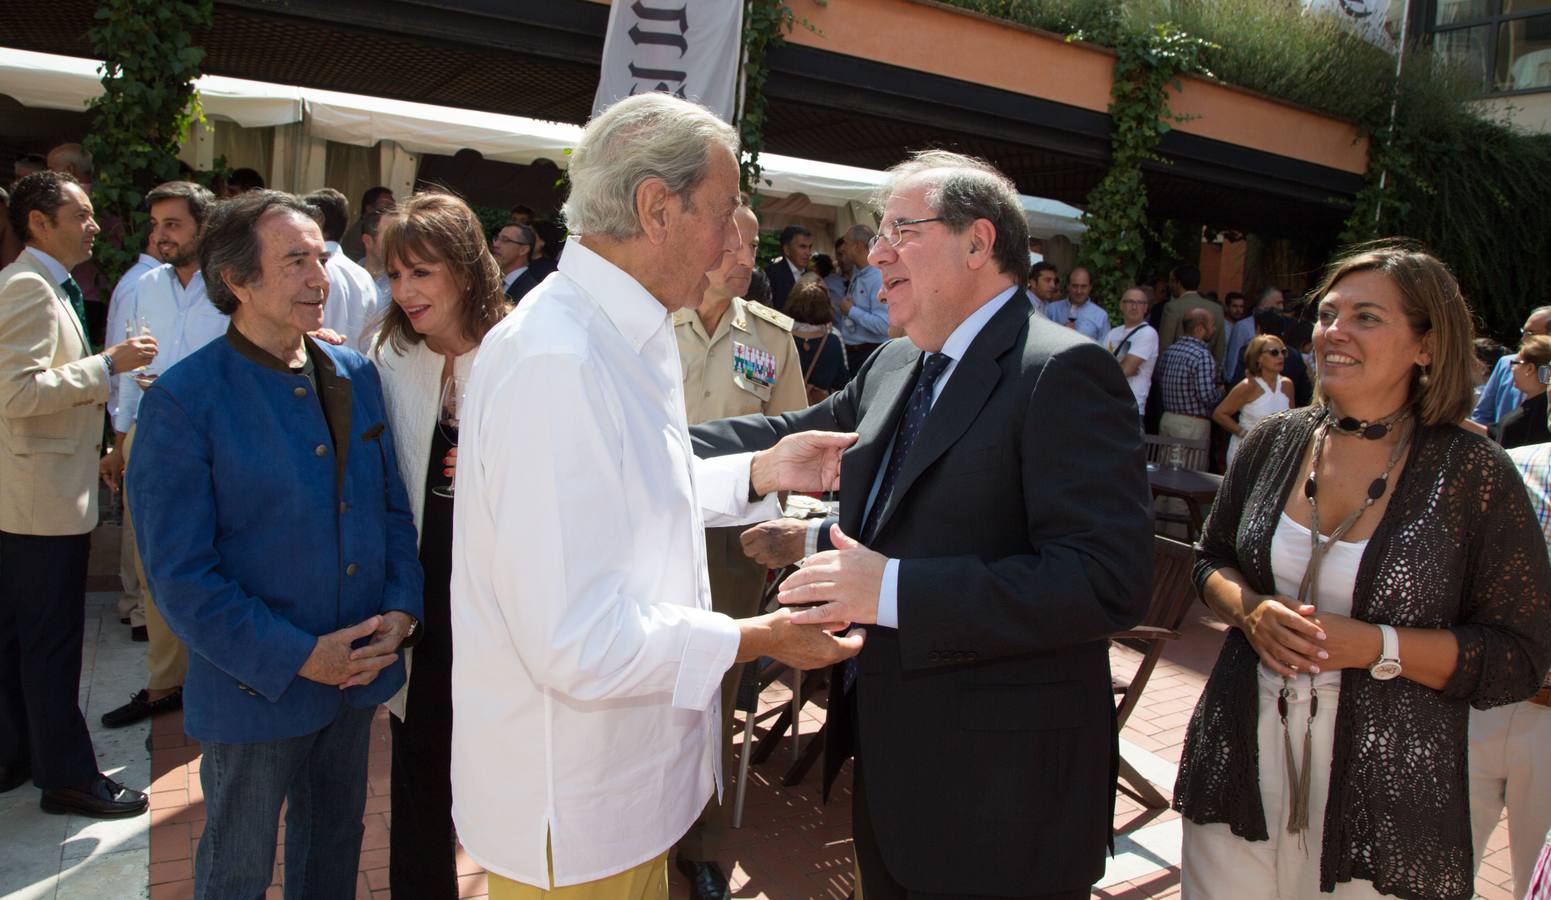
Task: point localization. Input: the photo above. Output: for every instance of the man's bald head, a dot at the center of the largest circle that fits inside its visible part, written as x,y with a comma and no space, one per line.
72,159
1198,323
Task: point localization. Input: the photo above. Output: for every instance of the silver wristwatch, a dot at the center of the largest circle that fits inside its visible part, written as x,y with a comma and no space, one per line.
1387,666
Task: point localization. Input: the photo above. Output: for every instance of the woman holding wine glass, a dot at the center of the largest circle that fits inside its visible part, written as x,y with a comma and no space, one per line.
447,295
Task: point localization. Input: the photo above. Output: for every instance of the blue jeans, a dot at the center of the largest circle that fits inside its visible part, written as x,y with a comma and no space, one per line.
321,777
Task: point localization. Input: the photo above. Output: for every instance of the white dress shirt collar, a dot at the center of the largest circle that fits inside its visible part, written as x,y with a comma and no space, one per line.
636,314
796,272
958,342
510,277
54,267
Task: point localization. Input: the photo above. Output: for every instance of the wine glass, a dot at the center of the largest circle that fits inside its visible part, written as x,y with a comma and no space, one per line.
138,325
447,421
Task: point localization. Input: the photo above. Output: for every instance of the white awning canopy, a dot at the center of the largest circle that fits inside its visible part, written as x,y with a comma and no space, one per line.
49,81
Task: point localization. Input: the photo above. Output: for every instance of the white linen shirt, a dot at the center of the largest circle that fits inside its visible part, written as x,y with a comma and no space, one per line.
122,293
588,668
352,304
182,320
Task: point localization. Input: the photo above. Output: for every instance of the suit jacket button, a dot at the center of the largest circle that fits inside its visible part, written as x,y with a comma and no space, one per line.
320,450
352,569
343,506
300,392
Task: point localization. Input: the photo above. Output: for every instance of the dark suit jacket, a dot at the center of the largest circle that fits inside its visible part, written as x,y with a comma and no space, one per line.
525,282
781,282
985,723
1524,426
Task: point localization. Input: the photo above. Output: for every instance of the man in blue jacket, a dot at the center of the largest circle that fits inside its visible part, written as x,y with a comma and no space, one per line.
277,538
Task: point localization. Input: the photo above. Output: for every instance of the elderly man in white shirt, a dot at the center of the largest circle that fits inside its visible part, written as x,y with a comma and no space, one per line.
168,303
588,660
353,300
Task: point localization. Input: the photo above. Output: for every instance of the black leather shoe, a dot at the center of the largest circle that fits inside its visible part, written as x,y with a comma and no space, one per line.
706,881
140,707
138,634
13,777
100,798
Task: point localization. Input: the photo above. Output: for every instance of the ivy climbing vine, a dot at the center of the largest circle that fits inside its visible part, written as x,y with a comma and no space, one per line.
150,61
1148,63
766,23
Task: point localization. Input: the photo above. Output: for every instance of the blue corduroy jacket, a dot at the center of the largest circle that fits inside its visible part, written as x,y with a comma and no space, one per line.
257,537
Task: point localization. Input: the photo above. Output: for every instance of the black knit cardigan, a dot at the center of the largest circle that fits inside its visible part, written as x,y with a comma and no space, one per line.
1458,548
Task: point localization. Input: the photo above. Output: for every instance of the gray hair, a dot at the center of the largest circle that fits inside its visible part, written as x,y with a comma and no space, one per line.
965,188
860,233
231,245
646,136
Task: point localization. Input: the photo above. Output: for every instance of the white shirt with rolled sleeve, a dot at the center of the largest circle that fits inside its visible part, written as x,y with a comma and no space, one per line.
181,318
118,316
589,665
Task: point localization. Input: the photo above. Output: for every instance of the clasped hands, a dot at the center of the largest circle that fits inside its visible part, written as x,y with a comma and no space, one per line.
1298,640
334,662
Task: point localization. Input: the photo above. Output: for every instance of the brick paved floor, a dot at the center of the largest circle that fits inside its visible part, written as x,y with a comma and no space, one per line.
792,845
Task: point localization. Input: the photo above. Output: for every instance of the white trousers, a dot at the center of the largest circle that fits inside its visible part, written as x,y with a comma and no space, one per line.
1215,863
1510,766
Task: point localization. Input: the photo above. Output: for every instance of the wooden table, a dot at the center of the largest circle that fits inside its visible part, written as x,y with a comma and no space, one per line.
1195,488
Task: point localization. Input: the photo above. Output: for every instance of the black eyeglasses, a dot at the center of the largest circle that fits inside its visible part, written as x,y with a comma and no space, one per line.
895,238
1275,351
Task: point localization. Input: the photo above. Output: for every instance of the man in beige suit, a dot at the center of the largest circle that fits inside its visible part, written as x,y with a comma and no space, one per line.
52,393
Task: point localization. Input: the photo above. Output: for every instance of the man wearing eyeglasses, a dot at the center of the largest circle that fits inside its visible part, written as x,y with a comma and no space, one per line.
979,710
512,246
1499,396
1135,344
863,319
1531,370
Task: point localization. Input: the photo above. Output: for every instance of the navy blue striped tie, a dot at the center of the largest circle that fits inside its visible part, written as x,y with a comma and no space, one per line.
910,426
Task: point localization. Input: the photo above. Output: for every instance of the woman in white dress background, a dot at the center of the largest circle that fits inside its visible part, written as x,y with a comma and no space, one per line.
1263,391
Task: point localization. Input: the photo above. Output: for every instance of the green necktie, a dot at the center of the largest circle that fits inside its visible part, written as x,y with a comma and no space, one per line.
77,300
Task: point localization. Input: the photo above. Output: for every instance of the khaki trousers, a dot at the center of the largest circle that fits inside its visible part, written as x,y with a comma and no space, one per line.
648,881
736,583
1509,767
131,602
165,656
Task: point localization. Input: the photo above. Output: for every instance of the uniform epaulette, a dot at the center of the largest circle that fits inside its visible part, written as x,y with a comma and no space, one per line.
778,319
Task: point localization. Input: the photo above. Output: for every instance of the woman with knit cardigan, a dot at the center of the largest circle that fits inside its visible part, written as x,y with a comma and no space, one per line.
447,295
1328,751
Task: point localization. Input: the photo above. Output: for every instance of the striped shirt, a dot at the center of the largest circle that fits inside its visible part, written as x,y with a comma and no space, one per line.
1188,374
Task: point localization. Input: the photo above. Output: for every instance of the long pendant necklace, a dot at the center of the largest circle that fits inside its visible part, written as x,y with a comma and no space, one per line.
1308,595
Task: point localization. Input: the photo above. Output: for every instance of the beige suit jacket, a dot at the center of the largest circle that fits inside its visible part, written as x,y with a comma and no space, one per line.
53,393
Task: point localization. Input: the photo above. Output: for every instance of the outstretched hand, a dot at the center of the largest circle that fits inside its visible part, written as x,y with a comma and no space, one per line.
806,461
844,582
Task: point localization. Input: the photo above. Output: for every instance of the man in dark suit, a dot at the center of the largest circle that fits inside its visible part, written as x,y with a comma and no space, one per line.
512,247
994,530
796,250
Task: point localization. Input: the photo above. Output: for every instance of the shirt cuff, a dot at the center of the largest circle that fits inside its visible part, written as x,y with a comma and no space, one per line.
888,595
810,540
103,358
709,652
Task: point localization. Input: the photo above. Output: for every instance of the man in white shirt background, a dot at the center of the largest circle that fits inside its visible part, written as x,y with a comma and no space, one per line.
131,603
170,304
372,262
352,304
589,660
1135,344
1077,311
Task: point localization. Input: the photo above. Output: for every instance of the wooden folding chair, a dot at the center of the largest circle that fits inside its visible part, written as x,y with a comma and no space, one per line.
1192,455
1172,593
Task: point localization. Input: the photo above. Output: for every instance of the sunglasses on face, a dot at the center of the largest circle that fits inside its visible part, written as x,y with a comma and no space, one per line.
1542,372
1275,351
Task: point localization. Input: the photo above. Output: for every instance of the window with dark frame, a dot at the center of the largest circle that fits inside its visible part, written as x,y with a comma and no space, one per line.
1506,43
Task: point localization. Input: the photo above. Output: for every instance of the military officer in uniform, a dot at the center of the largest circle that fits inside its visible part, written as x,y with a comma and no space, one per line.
738,359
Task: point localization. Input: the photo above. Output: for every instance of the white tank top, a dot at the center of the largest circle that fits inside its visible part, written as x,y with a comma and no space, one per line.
1290,552
1270,402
